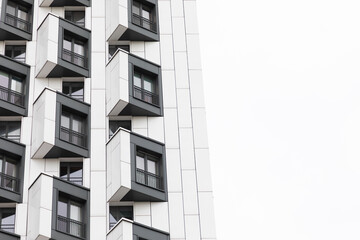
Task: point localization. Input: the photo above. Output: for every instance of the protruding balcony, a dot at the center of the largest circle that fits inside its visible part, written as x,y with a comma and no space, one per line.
61,126
128,229
63,3
132,20
16,19
58,209
133,86
136,168
14,88
63,49
12,156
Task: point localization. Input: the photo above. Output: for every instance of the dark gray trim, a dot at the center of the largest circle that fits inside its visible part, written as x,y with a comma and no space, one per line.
148,233
140,192
19,69
77,193
8,236
137,33
17,152
63,3
8,32
137,107
63,148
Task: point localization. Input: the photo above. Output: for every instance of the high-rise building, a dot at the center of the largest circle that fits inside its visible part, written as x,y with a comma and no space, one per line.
102,121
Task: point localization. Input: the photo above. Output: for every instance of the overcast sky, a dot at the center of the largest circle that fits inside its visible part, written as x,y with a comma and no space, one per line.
282,87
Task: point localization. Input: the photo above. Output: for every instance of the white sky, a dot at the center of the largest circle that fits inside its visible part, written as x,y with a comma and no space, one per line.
282,87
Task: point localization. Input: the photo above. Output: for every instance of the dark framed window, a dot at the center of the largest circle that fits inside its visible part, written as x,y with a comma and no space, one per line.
10,130
113,48
8,174
77,17
12,88
147,169
74,90
145,87
72,128
16,52
74,50
144,15
72,172
18,16
118,212
115,125
7,219
70,217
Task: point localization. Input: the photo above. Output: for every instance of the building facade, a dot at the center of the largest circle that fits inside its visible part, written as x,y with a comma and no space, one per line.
102,121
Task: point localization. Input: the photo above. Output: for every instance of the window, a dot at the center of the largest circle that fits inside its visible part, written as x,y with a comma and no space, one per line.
8,174
147,169
145,87
74,51
72,129
11,88
7,219
113,48
115,125
74,90
10,130
72,172
77,17
16,52
70,217
144,16
118,212
18,16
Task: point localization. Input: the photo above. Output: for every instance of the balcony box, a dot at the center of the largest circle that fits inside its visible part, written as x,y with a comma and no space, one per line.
13,27
8,236
126,93
44,219
11,186
124,23
63,3
14,103
126,180
63,49
56,117
127,229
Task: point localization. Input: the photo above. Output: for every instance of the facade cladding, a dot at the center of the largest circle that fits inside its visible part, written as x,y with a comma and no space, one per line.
102,121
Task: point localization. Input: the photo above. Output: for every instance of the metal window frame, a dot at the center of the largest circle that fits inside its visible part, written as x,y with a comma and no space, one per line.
7,128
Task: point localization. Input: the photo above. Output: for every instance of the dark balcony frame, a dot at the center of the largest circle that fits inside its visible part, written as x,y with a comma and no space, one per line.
15,151
73,192
9,235
11,32
140,191
141,19
20,70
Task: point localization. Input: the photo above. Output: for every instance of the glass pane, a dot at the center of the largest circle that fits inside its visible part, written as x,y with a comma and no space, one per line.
66,89
77,124
10,8
79,18
151,166
14,131
146,13
10,169
68,15
65,120
79,48
148,84
4,80
140,163
76,173
75,211
16,84
19,53
63,171
62,208
67,44
22,13
3,132
8,217
136,8
77,92
137,79
8,51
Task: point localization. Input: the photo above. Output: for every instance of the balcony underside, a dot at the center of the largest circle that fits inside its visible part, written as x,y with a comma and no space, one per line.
9,196
62,3
139,108
9,109
56,151
63,69
141,196
8,32
8,236
136,33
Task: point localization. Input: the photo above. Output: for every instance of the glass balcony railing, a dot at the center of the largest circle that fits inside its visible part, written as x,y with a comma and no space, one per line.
146,96
74,58
144,22
73,137
70,226
9,182
148,179
11,96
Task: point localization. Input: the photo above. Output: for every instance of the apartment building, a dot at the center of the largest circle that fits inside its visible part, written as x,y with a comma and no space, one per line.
102,121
